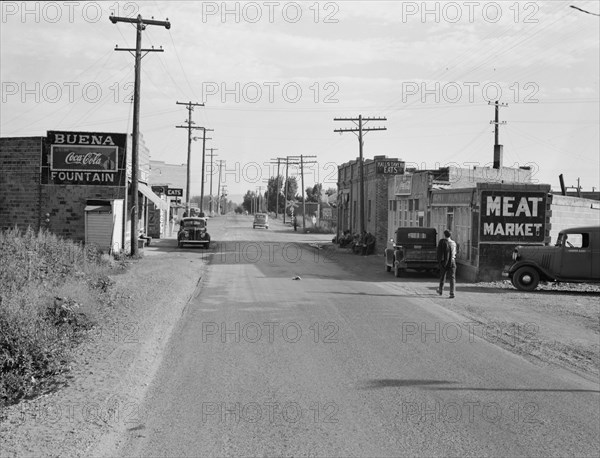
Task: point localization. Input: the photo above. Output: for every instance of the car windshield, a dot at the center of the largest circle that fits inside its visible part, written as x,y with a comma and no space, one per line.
194,223
260,217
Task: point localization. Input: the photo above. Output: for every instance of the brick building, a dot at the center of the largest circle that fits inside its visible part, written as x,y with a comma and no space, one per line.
376,173
73,184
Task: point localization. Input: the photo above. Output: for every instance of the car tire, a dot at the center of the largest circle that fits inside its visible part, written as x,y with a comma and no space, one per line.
388,268
207,246
180,244
526,278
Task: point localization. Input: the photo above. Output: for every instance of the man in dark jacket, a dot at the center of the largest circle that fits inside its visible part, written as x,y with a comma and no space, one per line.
446,255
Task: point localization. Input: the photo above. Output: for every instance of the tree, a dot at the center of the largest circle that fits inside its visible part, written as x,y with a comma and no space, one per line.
330,191
314,194
292,188
249,201
275,187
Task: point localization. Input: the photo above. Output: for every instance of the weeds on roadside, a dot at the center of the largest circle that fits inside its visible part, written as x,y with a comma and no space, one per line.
44,311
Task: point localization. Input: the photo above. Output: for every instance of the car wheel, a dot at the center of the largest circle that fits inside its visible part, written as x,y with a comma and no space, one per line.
253,227
180,244
526,278
388,268
207,246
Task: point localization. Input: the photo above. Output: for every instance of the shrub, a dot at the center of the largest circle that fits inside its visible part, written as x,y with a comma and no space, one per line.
39,324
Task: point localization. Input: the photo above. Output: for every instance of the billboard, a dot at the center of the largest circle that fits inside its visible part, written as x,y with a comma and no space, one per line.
512,216
84,158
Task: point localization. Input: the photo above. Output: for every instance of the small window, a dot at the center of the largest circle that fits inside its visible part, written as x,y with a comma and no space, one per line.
576,240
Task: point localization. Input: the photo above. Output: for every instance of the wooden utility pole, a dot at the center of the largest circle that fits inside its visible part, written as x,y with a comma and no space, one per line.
204,129
211,175
285,191
359,122
302,164
190,107
140,26
219,188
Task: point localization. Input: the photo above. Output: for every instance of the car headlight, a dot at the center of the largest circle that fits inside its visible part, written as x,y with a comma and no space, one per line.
203,235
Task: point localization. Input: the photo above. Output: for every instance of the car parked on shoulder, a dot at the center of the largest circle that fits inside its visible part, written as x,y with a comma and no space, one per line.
574,258
412,248
193,231
261,220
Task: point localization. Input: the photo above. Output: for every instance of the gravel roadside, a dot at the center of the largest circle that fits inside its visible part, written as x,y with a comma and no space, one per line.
101,395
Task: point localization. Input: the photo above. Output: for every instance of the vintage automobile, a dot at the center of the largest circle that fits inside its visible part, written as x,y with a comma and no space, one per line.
413,248
192,230
574,258
261,220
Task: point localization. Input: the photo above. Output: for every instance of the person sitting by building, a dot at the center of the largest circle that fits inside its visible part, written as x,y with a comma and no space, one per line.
346,239
368,246
359,241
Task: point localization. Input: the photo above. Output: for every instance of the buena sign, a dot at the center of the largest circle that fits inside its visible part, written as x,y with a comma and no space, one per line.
512,216
84,158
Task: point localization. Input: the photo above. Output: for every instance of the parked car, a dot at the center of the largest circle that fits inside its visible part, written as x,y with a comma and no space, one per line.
413,248
192,230
261,220
574,258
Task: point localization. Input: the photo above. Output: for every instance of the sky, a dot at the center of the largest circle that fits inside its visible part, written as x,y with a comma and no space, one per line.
273,76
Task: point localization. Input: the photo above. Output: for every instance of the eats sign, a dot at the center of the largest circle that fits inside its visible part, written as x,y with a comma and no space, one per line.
512,216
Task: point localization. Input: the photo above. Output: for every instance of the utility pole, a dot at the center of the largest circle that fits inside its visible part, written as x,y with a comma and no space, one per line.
219,187
140,26
259,204
302,164
211,175
361,132
204,129
497,146
190,107
285,191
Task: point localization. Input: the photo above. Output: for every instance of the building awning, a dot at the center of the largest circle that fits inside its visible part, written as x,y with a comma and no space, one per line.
145,190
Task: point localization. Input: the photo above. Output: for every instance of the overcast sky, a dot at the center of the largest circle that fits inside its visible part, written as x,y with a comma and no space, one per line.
274,75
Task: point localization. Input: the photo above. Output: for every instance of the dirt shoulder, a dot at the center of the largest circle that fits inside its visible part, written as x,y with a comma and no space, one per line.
556,324
101,395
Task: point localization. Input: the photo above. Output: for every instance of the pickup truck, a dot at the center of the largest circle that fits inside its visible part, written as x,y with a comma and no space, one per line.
412,248
574,258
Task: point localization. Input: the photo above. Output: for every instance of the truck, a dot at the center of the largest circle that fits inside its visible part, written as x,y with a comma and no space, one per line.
412,248
574,258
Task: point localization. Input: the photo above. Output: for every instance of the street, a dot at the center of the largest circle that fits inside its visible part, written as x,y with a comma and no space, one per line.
285,352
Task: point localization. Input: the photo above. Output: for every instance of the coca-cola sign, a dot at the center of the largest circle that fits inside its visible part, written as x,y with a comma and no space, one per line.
84,158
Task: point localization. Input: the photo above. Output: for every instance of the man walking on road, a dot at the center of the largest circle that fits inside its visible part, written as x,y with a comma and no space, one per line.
446,255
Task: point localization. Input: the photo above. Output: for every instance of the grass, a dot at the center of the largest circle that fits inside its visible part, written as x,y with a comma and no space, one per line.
49,290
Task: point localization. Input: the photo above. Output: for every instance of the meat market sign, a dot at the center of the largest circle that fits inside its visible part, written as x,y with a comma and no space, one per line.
512,216
84,158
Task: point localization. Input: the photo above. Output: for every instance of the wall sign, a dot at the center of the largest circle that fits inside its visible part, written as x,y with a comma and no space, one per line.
389,167
175,192
512,216
403,185
84,158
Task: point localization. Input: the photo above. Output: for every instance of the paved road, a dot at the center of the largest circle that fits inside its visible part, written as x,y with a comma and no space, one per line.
343,362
